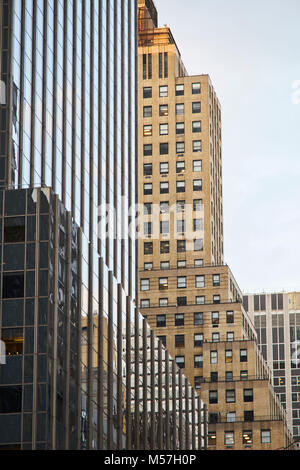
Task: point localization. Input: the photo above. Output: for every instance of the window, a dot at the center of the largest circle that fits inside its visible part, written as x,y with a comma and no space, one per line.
13,285
148,208
214,357
200,281
163,339
147,92
198,318
198,361
198,380
230,396
164,168
180,167
163,91
216,299
196,107
228,438
243,355
180,226
148,248
164,207
196,88
197,185
212,438
228,376
229,316
213,418
265,436
13,339
228,356
230,336
147,169
180,361
198,225
198,263
163,110
198,339
145,303
179,147
10,400
179,341
247,437
163,302
14,229
164,148
179,90
160,320
214,376
165,265
181,282
215,337
179,128
180,206
180,186
213,397
197,205
248,395
181,301
148,266
181,263
200,299
231,417
181,246
147,189
147,150
179,319
244,375
196,126
197,145
165,247
179,109
147,112
163,129
163,283
248,416
164,227
145,284
148,130
216,280
164,188
215,318
197,165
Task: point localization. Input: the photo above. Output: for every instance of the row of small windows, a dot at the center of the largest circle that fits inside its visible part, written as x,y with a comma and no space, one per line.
198,342
180,206
247,437
179,109
164,90
161,322
181,246
179,128
230,396
164,148
165,226
199,282
164,187
180,167
228,356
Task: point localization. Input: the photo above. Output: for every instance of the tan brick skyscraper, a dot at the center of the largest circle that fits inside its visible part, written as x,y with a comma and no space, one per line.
188,295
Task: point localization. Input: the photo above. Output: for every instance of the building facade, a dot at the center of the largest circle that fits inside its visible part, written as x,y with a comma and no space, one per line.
186,293
276,318
68,74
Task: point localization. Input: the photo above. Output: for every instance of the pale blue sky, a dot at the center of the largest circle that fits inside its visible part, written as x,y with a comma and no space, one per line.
251,50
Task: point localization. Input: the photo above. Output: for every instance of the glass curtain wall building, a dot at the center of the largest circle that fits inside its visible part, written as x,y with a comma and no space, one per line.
68,114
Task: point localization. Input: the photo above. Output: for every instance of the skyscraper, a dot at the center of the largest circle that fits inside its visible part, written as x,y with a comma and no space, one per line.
68,71
186,292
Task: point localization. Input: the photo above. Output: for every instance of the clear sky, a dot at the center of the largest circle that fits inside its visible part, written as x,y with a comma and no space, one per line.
251,50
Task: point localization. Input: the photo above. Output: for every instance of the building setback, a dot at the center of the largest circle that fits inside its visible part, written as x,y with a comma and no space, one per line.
186,293
68,149
276,317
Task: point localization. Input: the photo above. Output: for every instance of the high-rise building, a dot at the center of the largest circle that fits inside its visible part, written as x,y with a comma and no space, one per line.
68,156
186,293
276,317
